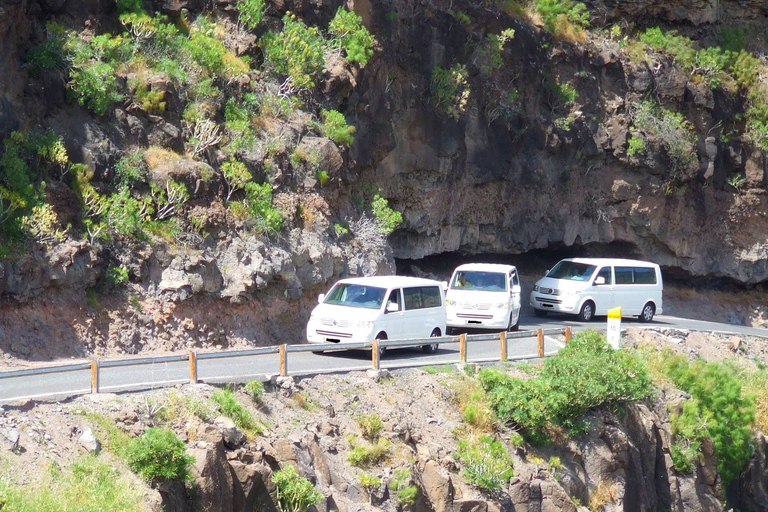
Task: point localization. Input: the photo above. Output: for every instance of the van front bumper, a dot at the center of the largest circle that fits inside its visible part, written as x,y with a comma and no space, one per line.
559,304
489,319
323,334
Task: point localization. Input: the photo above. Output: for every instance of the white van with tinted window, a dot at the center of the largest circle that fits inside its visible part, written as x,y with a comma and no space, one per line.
587,287
381,307
483,296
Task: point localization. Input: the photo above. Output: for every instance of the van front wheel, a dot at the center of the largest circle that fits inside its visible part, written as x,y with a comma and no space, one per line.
431,349
648,311
587,311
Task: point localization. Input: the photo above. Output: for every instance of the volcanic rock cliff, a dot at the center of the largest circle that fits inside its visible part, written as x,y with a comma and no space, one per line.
544,134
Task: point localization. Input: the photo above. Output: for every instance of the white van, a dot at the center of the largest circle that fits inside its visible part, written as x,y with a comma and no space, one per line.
483,296
591,286
382,307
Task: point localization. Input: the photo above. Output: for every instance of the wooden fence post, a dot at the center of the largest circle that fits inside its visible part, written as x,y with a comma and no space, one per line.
193,367
503,343
283,361
540,336
375,354
463,348
95,376
567,335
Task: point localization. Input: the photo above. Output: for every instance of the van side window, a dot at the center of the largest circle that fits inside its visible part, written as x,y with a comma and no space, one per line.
605,273
394,298
422,297
635,275
645,275
623,275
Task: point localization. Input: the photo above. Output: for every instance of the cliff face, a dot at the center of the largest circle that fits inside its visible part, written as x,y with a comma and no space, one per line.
537,152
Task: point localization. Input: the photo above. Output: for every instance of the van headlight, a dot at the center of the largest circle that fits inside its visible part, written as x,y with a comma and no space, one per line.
450,302
535,287
502,305
366,324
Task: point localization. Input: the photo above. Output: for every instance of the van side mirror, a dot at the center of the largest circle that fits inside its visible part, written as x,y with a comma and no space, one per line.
547,271
320,298
516,289
600,280
393,307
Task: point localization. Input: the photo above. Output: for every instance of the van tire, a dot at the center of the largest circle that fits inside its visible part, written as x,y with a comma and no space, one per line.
540,313
382,350
515,327
431,349
587,312
647,314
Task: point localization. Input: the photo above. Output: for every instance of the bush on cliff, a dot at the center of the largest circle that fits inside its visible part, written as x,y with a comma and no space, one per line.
587,373
159,454
719,409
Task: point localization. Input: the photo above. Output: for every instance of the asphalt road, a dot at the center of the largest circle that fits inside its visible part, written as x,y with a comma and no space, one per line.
240,369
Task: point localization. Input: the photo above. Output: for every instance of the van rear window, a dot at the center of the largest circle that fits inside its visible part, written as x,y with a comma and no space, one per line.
422,297
635,275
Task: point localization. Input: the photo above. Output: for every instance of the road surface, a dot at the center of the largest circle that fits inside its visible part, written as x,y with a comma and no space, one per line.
57,386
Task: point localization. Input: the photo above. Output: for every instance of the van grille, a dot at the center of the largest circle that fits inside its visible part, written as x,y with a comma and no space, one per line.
334,334
484,306
464,315
332,322
548,300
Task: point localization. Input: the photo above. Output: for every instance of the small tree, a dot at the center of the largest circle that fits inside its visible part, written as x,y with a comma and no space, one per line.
250,12
159,454
352,35
450,89
336,128
294,492
236,175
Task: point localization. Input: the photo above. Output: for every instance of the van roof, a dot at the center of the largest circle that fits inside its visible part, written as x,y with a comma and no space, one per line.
488,267
390,281
611,261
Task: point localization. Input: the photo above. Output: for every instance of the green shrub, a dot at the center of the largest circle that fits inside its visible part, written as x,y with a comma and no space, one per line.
234,410
294,492
95,85
250,12
722,411
255,389
236,175
556,12
347,27
50,54
151,101
636,146
258,200
406,494
449,89
159,455
126,6
731,39
340,230
90,485
336,128
370,484
322,177
42,225
560,95
371,425
585,374
212,55
130,168
672,131
297,51
115,276
688,430
362,455
387,218
490,59
679,48
486,463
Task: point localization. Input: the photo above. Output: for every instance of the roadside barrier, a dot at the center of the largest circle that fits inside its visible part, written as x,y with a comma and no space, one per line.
377,347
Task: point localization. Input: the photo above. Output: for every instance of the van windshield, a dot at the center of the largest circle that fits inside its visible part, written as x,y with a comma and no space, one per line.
356,296
478,280
572,271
